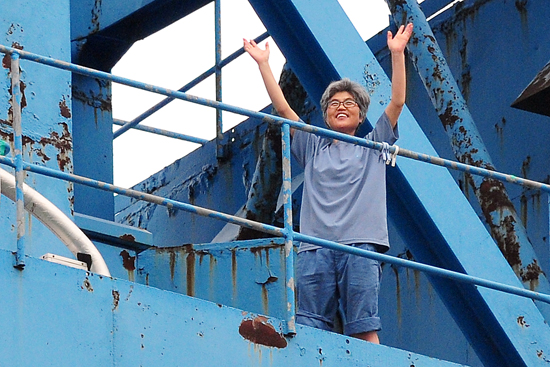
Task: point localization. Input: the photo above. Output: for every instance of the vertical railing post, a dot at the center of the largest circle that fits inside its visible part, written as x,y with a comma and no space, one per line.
218,70
18,158
289,247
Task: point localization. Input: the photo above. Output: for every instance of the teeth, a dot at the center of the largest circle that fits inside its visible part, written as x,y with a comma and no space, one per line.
341,115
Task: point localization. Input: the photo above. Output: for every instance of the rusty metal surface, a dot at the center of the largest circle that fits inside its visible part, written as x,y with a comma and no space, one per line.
244,274
46,114
499,212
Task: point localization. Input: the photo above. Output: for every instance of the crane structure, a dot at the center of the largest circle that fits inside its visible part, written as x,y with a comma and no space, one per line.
195,265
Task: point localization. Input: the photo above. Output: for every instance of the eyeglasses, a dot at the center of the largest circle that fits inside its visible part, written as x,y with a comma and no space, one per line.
348,103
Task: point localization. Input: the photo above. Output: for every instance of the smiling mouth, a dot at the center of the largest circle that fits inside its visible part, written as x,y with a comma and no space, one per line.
340,115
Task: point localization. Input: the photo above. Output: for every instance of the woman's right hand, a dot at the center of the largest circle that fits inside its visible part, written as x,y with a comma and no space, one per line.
259,55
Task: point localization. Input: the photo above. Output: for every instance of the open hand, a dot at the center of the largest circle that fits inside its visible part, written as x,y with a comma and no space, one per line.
402,36
259,55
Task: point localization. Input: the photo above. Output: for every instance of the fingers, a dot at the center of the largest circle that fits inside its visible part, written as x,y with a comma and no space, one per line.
400,30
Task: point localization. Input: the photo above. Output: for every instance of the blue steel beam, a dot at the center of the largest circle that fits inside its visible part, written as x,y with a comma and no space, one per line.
102,31
45,102
504,222
261,203
321,45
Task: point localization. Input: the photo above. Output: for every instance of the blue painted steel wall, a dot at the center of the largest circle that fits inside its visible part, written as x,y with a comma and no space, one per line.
44,28
107,322
249,275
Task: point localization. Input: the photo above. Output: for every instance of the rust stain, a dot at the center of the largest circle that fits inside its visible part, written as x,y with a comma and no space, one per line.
259,331
129,262
398,294
525,166
96,101
128,237
116,299
190,260
448,117
86,284
499,127
531,274
172,264
234,271
524,209
494,199
265,294
63,109
521,321
96,15
63,143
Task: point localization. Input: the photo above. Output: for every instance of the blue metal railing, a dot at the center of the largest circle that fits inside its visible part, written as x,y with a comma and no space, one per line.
131,124
18,159
287,232
169,134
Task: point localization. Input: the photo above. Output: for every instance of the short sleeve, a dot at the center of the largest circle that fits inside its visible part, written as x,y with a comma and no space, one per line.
299,146
383,131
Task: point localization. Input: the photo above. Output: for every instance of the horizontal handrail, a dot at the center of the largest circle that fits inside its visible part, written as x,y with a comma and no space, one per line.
278,232
276,119
430,269
169,203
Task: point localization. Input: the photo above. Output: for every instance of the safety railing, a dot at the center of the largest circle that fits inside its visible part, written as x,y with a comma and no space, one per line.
285,232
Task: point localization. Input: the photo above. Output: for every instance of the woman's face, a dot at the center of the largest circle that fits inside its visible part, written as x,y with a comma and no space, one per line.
341,118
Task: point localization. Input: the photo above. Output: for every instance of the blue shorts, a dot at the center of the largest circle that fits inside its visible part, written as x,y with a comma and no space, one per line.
327,279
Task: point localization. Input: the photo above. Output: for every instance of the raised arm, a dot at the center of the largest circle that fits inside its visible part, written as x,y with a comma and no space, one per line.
275,93
397,45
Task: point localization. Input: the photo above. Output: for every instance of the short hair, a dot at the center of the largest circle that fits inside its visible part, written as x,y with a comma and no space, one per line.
358,92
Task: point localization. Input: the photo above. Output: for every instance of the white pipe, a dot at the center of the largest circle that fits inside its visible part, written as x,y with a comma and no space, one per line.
59,223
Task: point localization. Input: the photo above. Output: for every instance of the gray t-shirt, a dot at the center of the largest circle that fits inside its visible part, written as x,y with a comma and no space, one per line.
344,196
